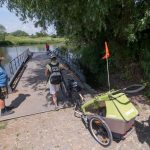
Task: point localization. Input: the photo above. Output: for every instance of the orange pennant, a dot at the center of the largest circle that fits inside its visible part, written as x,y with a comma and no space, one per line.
107,54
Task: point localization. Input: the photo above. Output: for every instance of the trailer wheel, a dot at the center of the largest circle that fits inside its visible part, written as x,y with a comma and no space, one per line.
100,131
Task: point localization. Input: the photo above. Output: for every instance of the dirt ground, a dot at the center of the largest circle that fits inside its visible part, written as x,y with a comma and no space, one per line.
60,130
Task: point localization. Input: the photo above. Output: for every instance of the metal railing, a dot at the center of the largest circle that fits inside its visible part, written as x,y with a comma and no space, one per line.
15,63
72,61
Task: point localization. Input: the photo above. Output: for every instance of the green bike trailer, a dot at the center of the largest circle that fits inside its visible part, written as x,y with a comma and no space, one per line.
115,108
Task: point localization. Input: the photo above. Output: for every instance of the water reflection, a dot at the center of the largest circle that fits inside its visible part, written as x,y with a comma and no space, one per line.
11,52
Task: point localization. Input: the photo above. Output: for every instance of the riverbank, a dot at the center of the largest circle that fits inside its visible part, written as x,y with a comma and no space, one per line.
13,40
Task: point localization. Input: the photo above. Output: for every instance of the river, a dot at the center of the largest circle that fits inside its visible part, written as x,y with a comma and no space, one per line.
11,52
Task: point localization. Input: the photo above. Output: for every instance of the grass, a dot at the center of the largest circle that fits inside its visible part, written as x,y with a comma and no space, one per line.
13,40
3,125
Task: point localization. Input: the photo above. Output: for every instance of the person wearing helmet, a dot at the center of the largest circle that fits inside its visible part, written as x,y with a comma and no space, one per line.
53,72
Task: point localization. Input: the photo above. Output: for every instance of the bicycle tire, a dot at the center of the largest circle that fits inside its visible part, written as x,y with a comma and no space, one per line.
98,123
139,87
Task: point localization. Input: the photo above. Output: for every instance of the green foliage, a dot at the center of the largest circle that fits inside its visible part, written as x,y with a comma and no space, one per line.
3,125
2,29
25,40
5,43
63,49
19,33
94,67
54,36
2,37
145,63
125,24
41,34
2,33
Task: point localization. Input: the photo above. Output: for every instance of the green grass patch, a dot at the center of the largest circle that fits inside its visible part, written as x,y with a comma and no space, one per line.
3,125
24,40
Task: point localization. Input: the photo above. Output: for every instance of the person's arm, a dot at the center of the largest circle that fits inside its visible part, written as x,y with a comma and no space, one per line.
46,72
63,67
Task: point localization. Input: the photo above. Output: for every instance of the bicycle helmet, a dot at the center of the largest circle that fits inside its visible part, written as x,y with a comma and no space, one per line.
52,56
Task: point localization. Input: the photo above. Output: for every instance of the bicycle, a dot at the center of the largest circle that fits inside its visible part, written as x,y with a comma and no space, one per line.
74,94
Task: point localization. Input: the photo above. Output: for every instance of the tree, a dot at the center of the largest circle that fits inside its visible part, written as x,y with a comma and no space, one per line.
19,33
41,34
2,32
2,29
124,23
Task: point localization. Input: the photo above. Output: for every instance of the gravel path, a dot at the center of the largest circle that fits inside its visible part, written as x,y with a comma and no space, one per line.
62,131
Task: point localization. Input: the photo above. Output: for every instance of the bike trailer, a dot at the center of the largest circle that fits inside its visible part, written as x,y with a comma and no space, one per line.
120,113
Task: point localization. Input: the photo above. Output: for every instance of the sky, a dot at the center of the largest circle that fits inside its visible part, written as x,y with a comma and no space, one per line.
12,23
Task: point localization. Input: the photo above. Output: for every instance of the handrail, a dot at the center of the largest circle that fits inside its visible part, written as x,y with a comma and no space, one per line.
71,61
15,63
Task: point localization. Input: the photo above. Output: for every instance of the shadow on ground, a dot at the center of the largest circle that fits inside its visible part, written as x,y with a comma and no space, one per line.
16,102
36,77
143,131
139,98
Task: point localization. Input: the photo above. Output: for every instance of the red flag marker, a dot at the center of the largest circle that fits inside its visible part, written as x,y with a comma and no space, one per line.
107,54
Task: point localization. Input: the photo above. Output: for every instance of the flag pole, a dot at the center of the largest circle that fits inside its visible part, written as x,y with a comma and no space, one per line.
108,73
107,55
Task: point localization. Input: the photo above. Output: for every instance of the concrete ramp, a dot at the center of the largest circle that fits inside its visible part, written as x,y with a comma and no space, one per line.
30,97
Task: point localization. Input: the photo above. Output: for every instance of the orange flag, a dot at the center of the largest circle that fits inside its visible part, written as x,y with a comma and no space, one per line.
107,54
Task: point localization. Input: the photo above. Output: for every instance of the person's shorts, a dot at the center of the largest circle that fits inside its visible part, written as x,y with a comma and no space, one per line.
3,93
54,88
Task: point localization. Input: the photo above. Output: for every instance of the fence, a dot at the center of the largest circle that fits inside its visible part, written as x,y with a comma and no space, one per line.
16,63
72,61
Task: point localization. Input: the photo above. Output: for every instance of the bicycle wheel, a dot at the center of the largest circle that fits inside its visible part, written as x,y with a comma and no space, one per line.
100,131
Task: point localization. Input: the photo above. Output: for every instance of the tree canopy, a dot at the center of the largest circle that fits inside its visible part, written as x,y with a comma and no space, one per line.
2,32
2,29
19,33
120,19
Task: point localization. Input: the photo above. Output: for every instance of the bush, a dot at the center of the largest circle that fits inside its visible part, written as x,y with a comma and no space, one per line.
93,66
53,36
5,43
19,33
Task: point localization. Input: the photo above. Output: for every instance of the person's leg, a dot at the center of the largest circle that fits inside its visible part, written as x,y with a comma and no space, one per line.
2,104
57,88
4,110
54,99
53,94
2,101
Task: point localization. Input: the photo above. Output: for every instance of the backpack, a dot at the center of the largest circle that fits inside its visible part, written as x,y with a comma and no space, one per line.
55,77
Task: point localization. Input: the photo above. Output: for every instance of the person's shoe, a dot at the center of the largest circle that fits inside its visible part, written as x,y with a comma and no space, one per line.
56,108
5,112
9,108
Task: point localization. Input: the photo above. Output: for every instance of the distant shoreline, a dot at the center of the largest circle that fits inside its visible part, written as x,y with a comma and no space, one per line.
13,40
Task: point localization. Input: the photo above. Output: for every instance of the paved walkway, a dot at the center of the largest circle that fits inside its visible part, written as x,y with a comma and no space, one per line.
31,95
59,130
